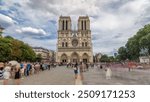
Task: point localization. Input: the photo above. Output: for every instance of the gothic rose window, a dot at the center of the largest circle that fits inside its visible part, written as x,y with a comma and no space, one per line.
74,42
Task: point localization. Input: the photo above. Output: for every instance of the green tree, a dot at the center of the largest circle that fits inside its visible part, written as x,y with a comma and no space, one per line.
38,57
133,48
27,53
104,58
134,44
5,49
12,49
16,51
9,37
145,42
122,53
111,59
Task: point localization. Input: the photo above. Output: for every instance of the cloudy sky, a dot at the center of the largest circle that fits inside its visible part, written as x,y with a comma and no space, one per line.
112,21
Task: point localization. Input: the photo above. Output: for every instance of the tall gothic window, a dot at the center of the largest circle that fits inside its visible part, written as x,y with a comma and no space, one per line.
85,25
66,25
66,44
82,44
82,25
63,25
86,44
63,44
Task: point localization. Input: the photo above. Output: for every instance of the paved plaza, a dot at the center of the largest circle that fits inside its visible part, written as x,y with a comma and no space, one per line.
65,76
120,76
55,76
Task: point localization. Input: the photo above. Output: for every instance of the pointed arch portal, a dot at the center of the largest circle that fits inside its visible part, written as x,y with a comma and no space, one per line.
74,57
85,58
64,58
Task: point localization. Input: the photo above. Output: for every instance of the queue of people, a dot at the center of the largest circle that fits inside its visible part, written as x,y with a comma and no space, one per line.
20,70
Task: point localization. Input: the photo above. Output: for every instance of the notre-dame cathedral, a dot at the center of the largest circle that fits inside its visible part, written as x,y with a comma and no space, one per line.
74,45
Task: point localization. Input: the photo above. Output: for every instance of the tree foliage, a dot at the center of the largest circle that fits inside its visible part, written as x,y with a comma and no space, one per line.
13,49
132,49
106,58
122,53
38,57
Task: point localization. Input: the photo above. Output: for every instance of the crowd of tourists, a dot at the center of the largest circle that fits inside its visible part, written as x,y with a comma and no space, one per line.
109,67
79,68
20,70
24,69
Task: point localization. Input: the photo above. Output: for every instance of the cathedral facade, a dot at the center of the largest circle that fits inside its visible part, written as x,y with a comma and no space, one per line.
74,45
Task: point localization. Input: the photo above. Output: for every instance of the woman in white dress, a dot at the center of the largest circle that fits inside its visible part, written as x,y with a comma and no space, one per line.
108,72
7,70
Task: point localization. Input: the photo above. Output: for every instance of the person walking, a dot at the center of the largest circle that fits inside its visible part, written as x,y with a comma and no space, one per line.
108,72
37,68
101,66
76,70
81,70
6,74
49,66
25,69
28,68
32,70
17,74
130,64
22,65
87,67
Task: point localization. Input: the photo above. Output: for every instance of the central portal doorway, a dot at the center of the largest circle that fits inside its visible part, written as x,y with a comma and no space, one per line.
74,57
75,60
85,60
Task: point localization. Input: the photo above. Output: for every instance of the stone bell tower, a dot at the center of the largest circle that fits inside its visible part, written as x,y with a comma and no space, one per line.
84,32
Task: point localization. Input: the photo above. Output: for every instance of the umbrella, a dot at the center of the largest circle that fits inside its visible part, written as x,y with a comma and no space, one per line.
13,63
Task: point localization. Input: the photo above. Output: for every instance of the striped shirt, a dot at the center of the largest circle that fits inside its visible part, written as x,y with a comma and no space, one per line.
1,74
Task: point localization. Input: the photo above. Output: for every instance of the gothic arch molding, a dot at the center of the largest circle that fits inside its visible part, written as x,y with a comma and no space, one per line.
74,57
85,58
64,58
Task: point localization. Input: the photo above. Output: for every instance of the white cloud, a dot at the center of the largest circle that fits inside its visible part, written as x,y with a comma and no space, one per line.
135,7
112,21
49,44
30,30
6,21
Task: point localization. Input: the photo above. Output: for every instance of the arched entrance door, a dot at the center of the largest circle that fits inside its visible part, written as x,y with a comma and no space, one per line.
74,57
85,58
64,58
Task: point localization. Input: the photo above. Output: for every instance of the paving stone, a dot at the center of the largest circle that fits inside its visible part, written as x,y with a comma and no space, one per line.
120,76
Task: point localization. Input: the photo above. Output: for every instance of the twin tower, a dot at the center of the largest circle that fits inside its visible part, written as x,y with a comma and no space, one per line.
74,45
66,24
